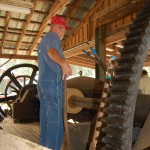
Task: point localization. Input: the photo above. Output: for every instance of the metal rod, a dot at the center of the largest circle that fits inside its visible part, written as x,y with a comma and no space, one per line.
89,103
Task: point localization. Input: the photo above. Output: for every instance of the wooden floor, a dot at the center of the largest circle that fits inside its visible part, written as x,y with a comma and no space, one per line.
29,131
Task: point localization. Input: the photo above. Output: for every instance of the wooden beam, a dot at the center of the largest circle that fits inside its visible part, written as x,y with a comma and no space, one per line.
73,10
20,20
114,6
11,30
85,19
53,11
17,3
40,12
120,11
80,7
13,43
82,57
17,33
83,8
90,25
78,49
25,26
47,1
6,29
11,56
75,19
111,39
117,36
15,20
80,63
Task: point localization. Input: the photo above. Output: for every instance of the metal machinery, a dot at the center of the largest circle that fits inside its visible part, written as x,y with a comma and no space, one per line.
20,93
120,112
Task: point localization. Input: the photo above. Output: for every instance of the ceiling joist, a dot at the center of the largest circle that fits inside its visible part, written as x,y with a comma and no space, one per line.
53,11
25,27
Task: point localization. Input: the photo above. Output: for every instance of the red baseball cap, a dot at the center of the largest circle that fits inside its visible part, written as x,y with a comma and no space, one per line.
59,20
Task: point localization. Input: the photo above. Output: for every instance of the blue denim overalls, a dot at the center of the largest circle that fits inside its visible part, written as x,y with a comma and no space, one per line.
51,104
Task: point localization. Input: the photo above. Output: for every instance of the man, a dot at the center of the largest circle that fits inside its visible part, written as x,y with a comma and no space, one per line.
52,70
145,83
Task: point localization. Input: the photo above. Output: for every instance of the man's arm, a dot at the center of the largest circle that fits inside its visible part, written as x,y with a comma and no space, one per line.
55,56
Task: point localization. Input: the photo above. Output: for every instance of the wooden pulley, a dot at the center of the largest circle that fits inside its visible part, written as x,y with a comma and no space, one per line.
70,107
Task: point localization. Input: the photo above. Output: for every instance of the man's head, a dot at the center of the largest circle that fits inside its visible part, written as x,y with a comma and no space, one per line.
58,25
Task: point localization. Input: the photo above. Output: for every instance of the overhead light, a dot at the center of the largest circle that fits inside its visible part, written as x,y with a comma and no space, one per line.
16,6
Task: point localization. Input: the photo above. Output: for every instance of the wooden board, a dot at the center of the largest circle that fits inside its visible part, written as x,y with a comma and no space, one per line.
27,134
25,131
29,131
11,142
16,136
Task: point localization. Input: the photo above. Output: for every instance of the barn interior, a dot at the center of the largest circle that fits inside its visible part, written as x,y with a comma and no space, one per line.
107,111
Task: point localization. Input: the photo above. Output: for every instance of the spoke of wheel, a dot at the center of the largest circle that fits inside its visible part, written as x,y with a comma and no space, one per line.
32,76
8,98
24,81
15,89
15,81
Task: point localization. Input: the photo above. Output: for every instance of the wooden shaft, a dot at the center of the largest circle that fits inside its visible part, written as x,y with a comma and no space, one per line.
89,103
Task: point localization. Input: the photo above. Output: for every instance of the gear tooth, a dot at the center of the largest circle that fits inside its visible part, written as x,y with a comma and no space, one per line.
116,123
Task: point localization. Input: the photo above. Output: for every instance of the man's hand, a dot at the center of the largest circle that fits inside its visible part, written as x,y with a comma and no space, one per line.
66,70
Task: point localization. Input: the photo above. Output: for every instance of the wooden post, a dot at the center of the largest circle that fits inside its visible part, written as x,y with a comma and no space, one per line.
101,51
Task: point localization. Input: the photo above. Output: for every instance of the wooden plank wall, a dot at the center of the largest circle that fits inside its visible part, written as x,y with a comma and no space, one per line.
86,31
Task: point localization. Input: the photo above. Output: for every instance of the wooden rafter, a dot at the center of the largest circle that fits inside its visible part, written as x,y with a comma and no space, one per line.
78,49
115,38
17,3
116,5
11,30
117,11
96,5
49,1
19,40
73,10
53,11
11,56
83,57
75,19
13,43
79,7
20,20
25,27
6,29
75,61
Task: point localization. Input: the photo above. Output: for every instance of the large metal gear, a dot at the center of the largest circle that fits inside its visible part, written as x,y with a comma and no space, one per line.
116,131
